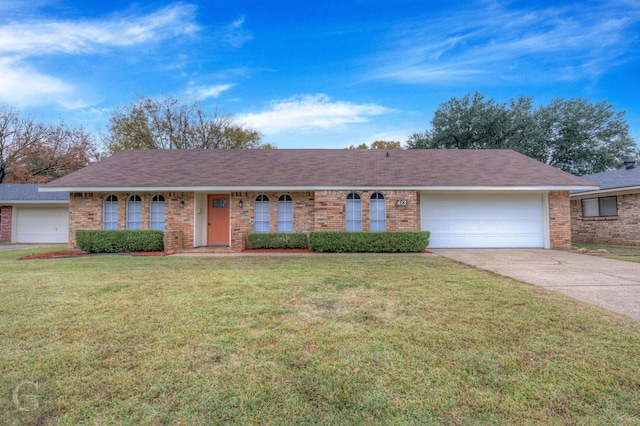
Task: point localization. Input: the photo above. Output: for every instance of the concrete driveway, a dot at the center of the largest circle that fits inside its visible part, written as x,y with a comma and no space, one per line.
611,284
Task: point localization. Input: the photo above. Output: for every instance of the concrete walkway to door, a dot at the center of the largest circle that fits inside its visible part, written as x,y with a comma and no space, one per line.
610,284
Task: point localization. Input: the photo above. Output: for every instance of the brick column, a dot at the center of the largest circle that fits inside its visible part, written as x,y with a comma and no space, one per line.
5,224
559,220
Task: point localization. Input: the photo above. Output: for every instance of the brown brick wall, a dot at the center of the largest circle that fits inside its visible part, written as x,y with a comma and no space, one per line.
242,219
312,211
321,211
623,229
6,217
559,220
85,212
330,209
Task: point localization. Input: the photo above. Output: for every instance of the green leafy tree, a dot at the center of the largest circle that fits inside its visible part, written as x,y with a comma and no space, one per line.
574,135
171,123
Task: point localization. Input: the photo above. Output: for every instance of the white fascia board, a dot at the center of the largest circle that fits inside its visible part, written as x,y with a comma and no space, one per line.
63,203
313,188
605,191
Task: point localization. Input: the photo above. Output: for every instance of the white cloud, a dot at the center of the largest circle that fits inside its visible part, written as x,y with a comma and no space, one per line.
502,44
46,37
310,112
24,84
206,92
21,86
234,34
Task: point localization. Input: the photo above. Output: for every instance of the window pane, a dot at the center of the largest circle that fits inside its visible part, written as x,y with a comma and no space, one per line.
156,213
261,214
354,213
110,213
134,212
285,214
608,206
590,207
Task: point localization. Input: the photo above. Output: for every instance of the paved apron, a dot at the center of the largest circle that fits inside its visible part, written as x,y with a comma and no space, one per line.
610,284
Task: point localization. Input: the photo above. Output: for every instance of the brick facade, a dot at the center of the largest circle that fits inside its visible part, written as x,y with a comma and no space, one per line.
6,219
85,212
559,220
623,229
322,210
312,210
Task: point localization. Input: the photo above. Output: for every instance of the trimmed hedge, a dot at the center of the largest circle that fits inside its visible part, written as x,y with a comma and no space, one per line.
278,240
369,242
119,241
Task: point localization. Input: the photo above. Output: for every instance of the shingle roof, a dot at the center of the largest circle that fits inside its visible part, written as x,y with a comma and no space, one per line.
298,168
621,178
29,192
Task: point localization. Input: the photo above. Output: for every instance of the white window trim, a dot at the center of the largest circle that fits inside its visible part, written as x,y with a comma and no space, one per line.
262,204
285,207
131,222
105,223
154,224
378,201
355,224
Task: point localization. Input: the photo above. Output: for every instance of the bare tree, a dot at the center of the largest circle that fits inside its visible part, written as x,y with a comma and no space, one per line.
33,152
170,123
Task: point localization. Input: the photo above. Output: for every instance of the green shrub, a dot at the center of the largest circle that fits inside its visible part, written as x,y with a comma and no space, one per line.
119,241
368,242
278,240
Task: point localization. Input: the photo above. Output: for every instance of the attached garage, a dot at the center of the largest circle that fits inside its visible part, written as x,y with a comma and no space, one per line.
30,216
41,224
485,220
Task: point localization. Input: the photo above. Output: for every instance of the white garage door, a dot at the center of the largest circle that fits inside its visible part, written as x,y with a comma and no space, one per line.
483,221
42,225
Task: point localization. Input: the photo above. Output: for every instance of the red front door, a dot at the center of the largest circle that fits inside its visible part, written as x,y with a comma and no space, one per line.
218,219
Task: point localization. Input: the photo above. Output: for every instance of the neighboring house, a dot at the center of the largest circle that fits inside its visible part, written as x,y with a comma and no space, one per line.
611,214
29,216
465,198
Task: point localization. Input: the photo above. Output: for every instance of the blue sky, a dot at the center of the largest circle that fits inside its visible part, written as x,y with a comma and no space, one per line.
323,74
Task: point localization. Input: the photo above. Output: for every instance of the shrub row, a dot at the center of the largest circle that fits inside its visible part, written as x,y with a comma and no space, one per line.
279,240
368,242
119,241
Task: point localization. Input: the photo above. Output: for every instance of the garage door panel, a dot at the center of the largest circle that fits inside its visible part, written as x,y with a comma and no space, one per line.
492,221
42,225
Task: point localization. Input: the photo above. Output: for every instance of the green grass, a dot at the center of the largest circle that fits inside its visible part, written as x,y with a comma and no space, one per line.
628,253
324,339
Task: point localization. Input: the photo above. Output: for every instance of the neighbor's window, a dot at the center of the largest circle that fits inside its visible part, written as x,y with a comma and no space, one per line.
600,207
377,212
134,212
156,213
110,212
261,214
285,213
354,212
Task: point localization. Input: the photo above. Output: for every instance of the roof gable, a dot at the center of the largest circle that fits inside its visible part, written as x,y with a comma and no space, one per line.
316,168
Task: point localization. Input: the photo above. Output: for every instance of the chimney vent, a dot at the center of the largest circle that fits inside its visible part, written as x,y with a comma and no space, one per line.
630,164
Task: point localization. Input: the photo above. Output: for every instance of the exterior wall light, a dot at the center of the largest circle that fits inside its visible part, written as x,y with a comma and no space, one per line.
182,204
240,204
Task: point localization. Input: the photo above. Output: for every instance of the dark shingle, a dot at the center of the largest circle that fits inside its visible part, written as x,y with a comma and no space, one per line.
29,192
621,178
317,168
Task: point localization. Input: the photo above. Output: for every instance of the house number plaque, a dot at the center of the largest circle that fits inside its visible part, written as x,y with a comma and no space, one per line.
401,203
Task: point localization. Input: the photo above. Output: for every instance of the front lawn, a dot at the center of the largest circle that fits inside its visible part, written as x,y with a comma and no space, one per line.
628,253
330,339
